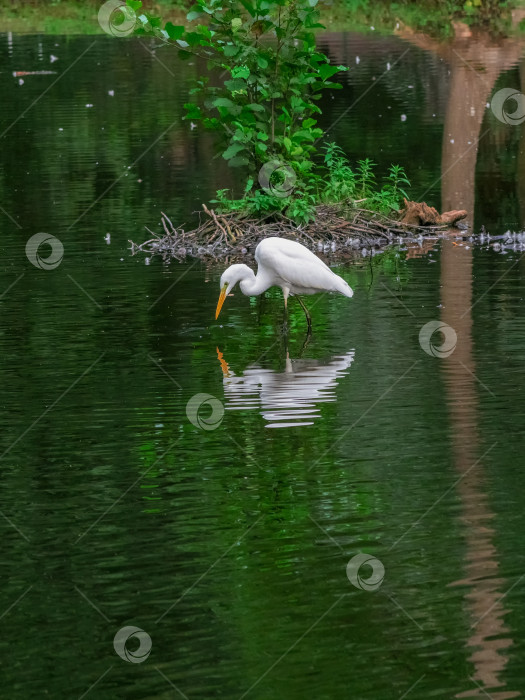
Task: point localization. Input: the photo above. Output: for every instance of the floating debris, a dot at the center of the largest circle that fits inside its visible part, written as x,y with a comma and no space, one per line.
19,73
337,231
420,214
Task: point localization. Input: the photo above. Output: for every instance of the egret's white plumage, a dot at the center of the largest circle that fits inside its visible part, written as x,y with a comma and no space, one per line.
286,264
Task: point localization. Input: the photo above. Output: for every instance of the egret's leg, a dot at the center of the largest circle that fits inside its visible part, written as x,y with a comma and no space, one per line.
286,292
307,314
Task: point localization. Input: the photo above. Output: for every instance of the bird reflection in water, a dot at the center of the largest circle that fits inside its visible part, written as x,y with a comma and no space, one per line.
288,398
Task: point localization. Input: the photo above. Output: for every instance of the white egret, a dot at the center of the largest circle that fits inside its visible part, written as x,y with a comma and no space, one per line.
286,264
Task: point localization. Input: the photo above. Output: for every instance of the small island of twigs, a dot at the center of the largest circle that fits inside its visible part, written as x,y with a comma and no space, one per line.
336,230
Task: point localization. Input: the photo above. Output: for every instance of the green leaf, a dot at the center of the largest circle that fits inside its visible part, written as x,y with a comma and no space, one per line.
285,116
248,7
195,14
239,135
332,86
307,123
231,50
255,107
193,38
134,4
241,72
154,21
193,111
204,31
287,143
326,71
262,62
304,135
233,150
174,31
235,85
297,104
236,23
262,136
227,104
212,123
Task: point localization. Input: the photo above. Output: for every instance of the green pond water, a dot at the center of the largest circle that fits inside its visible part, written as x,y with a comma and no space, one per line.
224,532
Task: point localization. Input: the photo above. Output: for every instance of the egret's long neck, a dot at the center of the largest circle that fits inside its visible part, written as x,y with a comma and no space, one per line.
252,285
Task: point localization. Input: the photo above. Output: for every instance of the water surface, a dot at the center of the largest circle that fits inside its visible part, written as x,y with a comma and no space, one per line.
229,546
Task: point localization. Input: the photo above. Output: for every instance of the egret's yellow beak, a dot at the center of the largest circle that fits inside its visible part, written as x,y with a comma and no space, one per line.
222,297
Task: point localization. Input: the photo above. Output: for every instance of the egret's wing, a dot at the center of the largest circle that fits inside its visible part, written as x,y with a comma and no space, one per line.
291,262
